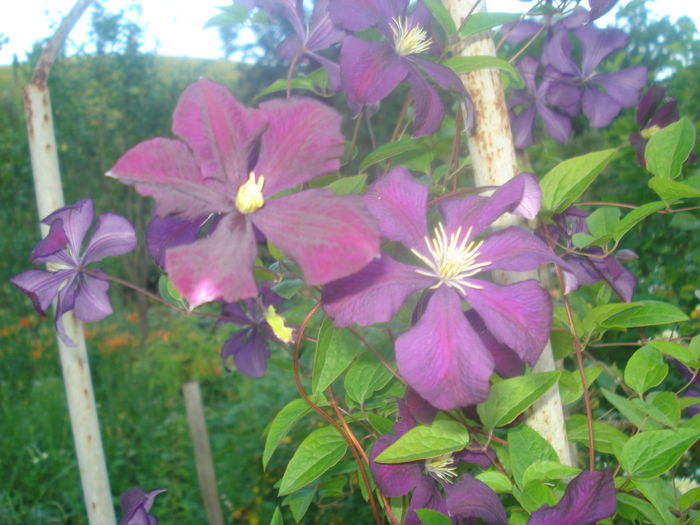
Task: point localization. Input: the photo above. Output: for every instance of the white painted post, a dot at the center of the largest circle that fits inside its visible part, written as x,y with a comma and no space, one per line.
74,359
494,161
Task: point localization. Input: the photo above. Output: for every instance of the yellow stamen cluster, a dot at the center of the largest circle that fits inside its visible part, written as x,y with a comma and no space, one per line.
409,40
276,322
452,259
442,467
249,196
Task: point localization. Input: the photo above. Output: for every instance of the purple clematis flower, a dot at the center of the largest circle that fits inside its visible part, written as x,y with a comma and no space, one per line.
231,161
77,291
589,497
135,504
590,265
443,356
307,39
250,346
600,95
532,101
464,496
369,71
655,111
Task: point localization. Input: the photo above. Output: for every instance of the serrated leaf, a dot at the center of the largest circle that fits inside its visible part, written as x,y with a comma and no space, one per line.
510,397
283,422
478,22
547,470
335,350
426,441
461,65
442,16
669,148
321,450
570,385
349,185
645,369
651,453
567,181
432,517
364,377
386,151
606,438
496,481
672,191
526,446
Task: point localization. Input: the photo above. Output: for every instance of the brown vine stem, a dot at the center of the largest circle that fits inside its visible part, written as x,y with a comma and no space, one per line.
327,417
376,354
610,372
579,359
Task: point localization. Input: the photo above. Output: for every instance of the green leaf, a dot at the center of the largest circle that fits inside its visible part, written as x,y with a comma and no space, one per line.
432,517
660,495
497,481
688,355
631,315
651,453
547,470
636,509
365,376
672,191
689,498
645,369
634,217
567,181
316,81
283,422
536,495
642,415
442,16
478,22
461,65
426,441
277,517
526,447
300,501
381,424
570,385
335,350
606,438
168,292
288,288
511,397
386,151
669,148
349,185
603,221
667,402
321,450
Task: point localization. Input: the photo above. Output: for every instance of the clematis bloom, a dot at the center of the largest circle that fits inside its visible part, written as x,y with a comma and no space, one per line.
62,250
135,505
443,356
230,161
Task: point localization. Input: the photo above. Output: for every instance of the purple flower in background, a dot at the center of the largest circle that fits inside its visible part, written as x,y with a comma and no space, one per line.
442,356
465,497
655,111
307,39
532,101
230,161
369,71
62,251
693,390
135,504
589,497
249,347
601,95
590,265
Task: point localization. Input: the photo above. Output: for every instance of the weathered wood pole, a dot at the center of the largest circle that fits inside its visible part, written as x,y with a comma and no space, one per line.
202,452
494,161
74,359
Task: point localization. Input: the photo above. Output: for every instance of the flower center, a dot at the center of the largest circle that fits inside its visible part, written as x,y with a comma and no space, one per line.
442,467
409,40
451,259
276,322
249,197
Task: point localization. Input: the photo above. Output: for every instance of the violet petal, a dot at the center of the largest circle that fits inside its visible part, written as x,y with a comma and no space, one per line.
471,498
113,235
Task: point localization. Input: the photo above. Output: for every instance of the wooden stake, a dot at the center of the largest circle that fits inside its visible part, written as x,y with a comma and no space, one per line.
74,359
202,452
494,161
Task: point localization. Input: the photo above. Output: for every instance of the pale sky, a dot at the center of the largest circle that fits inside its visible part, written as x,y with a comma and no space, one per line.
175,27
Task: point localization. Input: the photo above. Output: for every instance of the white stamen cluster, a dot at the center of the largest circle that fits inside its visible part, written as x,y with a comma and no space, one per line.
442,467
451,259
249,196
409,40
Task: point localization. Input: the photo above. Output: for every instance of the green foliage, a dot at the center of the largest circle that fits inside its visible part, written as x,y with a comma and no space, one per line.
426,441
